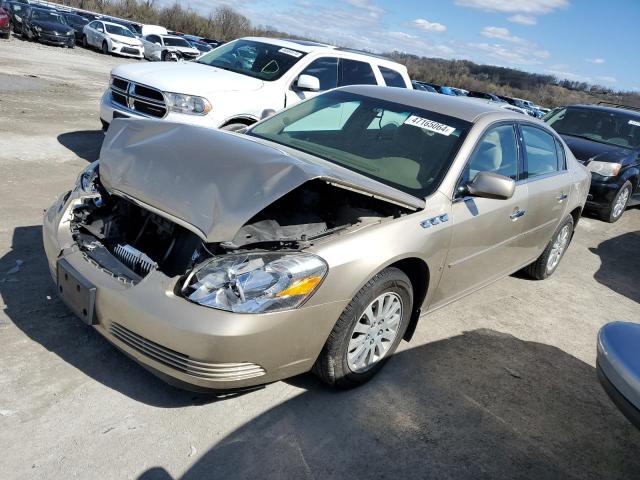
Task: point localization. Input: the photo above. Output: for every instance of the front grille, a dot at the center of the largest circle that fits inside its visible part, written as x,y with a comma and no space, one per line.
182,362
138,98
130,51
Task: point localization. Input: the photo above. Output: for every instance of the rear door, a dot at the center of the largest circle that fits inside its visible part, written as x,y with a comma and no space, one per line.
485,242
549,184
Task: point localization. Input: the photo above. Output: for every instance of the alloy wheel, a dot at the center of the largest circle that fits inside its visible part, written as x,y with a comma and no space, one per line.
559,246
375,332
620,203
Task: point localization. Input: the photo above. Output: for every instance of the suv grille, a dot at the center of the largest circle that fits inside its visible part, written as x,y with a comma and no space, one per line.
138,98
182,362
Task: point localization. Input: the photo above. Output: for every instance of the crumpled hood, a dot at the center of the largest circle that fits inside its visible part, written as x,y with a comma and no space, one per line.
211,180
189,78
585,150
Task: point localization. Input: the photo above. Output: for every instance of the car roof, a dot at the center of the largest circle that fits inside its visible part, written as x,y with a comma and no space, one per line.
464,108
308,47
106,22
608,108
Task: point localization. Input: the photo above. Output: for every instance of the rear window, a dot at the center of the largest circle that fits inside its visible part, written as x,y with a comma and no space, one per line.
353,72
392,78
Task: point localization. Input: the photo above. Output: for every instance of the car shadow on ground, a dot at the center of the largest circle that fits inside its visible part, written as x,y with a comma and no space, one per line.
479,405
85,144
620,265
31,303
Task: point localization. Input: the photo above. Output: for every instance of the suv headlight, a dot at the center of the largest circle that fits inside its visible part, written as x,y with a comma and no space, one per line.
255,282
606,169
189,104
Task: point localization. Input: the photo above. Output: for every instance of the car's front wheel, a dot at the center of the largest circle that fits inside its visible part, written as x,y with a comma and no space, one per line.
368,331
550,258
615,210
105,48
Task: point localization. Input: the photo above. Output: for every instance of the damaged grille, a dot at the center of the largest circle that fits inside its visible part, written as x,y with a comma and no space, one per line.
182,362
138,98
134,259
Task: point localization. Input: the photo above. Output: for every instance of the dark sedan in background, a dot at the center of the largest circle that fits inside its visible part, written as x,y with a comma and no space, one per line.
48,26
76,22
17,11
606,139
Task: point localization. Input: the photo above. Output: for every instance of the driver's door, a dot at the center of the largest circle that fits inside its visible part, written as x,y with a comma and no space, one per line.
324,69
486,232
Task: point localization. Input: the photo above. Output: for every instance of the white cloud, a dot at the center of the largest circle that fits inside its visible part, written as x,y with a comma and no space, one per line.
501,33
531,7
366,5
607,79
428,26
523,19
520,55
597,61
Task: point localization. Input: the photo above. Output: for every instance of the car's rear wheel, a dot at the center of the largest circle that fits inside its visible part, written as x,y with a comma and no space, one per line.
105,48
85,43
549,259
368,331
615,210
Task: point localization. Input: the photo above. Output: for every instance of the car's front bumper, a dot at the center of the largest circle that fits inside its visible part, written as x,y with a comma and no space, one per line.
190,344
127,51
59,40
602,192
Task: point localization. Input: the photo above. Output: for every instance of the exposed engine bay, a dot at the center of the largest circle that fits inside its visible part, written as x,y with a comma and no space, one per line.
141,241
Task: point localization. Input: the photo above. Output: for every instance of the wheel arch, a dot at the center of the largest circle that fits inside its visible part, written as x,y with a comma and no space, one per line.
247,120
418,272
576,213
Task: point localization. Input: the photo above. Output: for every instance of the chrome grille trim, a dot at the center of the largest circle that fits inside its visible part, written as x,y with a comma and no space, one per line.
181,362
127,89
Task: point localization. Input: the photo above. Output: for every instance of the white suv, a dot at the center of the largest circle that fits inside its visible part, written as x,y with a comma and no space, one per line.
111,38
237,83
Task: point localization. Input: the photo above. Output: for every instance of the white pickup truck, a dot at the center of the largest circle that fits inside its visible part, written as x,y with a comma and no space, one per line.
237,83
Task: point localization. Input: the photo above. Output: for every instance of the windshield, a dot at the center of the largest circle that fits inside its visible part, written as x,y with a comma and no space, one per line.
402,146
76,20
118,30
43,16
256,59
611,128
175,42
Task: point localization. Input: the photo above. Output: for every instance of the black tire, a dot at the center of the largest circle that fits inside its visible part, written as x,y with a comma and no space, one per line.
105,48
234,127
609,215
540,269
332,366
85,43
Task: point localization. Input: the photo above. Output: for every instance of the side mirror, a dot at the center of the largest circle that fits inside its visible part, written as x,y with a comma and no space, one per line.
308,83
491,185
267,113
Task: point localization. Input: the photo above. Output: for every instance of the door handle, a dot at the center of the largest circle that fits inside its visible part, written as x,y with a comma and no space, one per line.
517,214
563,196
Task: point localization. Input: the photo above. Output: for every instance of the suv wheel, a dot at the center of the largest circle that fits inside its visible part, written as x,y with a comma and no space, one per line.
613,213
368,331
105,48
550,258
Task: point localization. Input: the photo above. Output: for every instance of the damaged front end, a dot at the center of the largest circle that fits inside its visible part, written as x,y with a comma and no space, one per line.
262,268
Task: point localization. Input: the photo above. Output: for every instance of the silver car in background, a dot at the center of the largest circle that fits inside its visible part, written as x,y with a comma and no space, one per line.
316,240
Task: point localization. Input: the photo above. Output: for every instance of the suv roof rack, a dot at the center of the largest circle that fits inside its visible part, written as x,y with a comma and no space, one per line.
619,105
361,52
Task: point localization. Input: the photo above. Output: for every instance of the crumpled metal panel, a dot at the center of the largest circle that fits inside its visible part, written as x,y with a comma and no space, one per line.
213,180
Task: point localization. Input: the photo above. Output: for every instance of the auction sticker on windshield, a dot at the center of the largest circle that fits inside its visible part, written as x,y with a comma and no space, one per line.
430,125
293,53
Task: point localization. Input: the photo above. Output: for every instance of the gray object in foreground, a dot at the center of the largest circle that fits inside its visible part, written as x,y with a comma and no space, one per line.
619,366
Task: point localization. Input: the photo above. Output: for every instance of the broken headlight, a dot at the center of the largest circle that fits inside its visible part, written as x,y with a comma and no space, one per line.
255,282
87,180
189,104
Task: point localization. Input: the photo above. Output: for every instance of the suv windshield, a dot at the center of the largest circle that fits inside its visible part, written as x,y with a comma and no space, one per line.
175,42
256,59
399,145
604,126
44,16
118,30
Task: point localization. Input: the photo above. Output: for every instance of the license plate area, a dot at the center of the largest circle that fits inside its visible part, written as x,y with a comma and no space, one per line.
76,292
